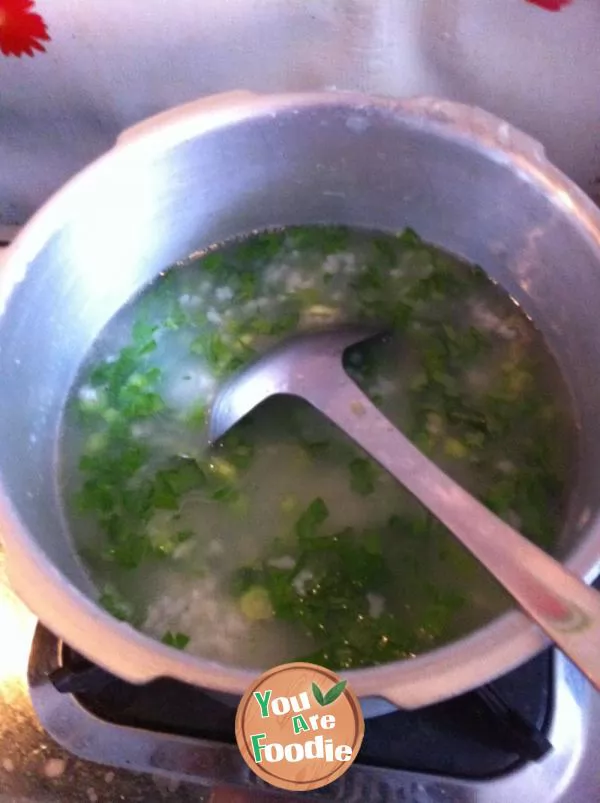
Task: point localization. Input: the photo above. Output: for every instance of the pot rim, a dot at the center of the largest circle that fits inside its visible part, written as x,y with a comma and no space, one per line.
443,672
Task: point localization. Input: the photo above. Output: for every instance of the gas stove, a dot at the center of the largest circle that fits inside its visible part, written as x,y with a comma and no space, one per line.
532,734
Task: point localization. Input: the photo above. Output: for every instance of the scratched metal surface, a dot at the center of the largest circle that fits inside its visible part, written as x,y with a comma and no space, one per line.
111,63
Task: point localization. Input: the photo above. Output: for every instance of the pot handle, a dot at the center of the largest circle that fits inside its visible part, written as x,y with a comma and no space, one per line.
209,103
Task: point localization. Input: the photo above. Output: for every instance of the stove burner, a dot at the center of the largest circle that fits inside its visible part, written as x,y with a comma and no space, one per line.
489,746
477,735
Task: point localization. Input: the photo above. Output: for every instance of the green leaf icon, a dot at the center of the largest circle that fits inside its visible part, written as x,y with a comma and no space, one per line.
318,694
335,691
331,696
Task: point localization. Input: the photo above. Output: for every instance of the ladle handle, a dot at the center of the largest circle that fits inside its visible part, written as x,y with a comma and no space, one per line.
564,607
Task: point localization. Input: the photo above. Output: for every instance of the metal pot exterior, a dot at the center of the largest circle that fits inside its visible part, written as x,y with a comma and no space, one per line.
226,166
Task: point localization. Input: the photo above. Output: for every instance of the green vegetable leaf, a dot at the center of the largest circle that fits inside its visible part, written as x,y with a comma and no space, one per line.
113,602
166,543
177,640
213,348
409,237
226,493
318,694
142,333
386,250
247,286
335,692
401,315
170,484
129,550
135,401
261,247
362,476
324,239
372,542
197,416
369,284
314,515
315,449
213,261
175,320
222,356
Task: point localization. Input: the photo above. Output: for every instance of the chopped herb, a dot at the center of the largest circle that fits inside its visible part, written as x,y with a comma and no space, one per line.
247,284
170,484
223,357
198,416
338,571
372,542
409,238
323,239
114,602
262,247
128,550
175,320
213,261
386,251
177,640
363,475
226,493
142,334
314,515
166,543
315,449
213,348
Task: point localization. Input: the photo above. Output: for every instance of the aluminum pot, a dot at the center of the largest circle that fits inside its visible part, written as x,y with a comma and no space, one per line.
225,166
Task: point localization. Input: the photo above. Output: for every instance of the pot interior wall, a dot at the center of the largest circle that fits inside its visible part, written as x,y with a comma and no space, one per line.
140,209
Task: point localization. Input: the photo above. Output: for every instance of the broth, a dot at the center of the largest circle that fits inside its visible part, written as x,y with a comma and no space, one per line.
286,542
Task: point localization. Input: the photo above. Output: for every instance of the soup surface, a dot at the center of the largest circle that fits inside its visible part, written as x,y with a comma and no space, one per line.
285,541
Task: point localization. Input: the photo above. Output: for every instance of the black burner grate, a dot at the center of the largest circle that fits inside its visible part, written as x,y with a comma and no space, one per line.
475,736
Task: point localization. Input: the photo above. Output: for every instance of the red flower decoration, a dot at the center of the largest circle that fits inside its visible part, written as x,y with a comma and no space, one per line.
21,30
550,5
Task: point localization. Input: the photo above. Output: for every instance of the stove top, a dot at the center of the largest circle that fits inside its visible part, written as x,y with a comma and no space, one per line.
532,734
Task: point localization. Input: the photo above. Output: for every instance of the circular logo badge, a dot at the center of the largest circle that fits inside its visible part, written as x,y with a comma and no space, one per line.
299,727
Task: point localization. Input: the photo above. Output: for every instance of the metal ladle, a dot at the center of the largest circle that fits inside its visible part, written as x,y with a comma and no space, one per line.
309,366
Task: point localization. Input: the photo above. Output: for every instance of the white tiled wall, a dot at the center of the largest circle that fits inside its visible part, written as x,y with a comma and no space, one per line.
112,62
